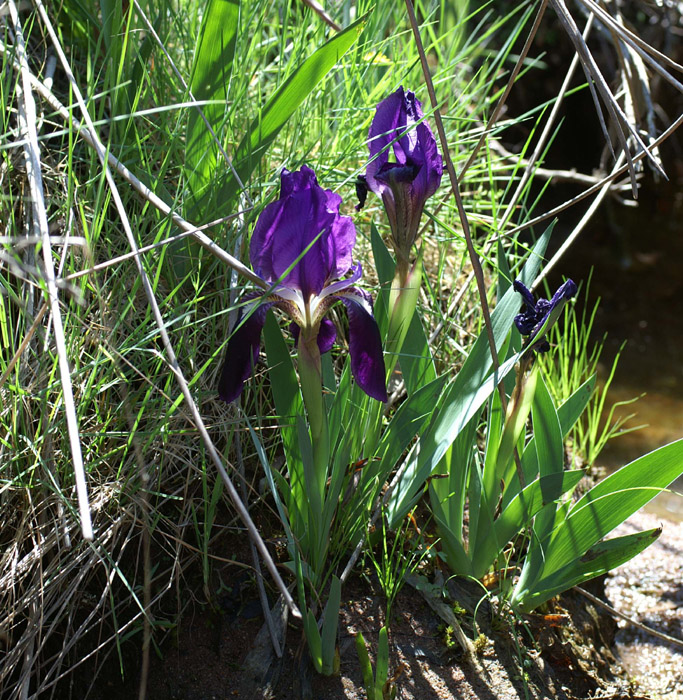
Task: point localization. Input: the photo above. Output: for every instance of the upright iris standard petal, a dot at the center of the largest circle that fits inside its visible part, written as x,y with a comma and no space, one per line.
243,350
304,248
301,240
532,320
405,167
365,344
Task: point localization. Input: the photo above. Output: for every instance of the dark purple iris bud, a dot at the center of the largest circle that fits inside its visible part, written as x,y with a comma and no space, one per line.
405,167
539,315
303,247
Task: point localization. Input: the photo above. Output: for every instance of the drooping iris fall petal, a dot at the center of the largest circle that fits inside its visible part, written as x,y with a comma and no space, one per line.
365,344
242,352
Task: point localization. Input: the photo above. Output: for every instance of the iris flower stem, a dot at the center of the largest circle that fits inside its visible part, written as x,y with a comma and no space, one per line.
405,289
310,376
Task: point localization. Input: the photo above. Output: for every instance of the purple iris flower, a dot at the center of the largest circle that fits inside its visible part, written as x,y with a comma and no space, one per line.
406,166
303,247
531,321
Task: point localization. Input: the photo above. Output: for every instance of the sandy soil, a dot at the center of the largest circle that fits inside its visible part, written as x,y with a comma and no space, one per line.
649,588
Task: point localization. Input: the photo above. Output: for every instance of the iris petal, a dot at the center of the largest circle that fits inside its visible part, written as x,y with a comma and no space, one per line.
304,224
531,321
398,120
365,344
242,353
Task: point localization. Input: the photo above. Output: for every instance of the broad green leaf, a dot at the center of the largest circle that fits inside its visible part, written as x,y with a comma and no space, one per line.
600,559
310,625
515,423
456,557
537,495
382,665
365,665
610,502
284,102
315,644
463,398
211,72
330,622
448,494
549,450
568,413
407,422
415,358
385,268
493,536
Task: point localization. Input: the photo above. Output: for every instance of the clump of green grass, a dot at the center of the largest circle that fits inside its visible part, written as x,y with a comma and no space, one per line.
153,491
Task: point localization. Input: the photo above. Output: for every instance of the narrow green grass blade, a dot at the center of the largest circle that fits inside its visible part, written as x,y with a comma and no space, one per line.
329,635
284,102
285,387
289,405
610,502
261,452
600,559
211,72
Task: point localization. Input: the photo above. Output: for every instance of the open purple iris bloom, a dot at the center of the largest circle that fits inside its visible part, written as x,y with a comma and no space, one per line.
531,321
406,165
304,247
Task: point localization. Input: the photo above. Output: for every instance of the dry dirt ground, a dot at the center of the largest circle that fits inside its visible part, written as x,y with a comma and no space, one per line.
579,651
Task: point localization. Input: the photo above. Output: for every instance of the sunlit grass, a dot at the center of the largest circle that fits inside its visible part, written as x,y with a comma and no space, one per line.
147,470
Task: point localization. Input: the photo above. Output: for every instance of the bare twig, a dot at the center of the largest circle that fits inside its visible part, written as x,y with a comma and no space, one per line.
530,169
579,227
630,620
320,11
617,172
474,257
